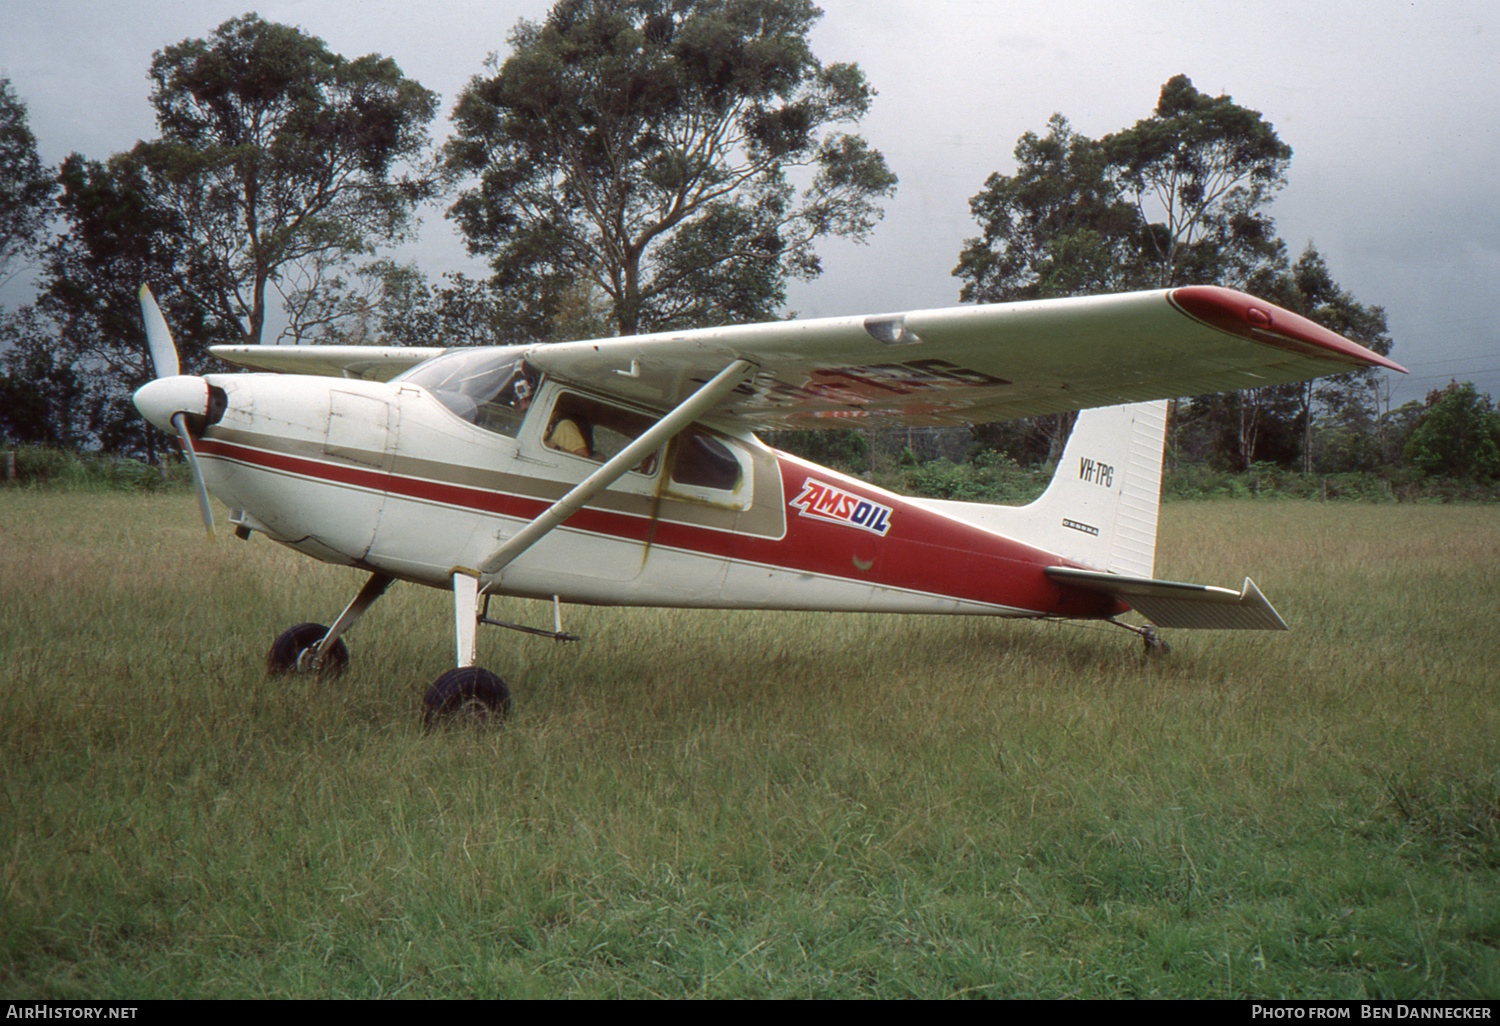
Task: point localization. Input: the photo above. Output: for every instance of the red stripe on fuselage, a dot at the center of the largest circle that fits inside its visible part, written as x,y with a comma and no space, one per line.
923,551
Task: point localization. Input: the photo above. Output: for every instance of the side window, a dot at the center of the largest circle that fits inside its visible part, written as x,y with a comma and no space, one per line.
711,468
706,462
595,430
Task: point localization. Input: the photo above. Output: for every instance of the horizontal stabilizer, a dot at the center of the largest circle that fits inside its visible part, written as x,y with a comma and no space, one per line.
1172,604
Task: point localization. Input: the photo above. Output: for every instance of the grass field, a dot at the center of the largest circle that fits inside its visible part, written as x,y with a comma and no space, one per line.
739,804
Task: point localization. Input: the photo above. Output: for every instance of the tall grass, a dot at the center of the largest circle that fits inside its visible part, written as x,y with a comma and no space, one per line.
751,804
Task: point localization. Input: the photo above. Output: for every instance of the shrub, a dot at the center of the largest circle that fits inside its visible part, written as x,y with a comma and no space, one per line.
45,466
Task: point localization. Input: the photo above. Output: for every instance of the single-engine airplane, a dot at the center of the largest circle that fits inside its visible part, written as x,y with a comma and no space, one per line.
626,471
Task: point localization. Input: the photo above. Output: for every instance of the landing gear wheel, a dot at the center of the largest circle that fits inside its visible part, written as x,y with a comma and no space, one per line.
467,695
292,652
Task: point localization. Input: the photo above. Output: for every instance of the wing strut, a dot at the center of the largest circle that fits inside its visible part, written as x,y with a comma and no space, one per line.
690,409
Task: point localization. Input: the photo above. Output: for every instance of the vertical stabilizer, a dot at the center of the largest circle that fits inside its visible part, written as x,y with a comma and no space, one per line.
1100,509
1101,506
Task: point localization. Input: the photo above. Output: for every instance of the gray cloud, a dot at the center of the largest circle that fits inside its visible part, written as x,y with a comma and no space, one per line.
1390,108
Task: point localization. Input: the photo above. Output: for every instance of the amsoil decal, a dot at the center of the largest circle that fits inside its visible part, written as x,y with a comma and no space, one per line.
823,501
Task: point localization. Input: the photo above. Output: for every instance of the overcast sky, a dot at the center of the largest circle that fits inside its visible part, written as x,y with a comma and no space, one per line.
1391,107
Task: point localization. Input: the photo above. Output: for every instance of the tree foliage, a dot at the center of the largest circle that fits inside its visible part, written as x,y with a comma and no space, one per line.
1458,435
117,237
383,302
1180,198
1200,173
1344,401
26,187
1058,227
1279,423
278,163
43,398
275,150
646,150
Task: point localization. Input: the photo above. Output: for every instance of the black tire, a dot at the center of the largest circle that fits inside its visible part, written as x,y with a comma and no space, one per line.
467,695
292,642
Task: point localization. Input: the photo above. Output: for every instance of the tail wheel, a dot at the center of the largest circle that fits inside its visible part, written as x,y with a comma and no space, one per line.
467,695
1155,646
292,652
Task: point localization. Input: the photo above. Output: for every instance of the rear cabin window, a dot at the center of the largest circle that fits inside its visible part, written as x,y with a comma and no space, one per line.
705,462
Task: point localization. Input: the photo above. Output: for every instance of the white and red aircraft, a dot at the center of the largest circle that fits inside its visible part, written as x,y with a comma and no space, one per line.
625,471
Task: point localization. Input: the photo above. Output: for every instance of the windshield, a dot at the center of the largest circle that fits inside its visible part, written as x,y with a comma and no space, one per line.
488,387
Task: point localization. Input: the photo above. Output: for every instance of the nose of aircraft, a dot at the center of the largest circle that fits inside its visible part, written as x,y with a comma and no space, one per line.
161,400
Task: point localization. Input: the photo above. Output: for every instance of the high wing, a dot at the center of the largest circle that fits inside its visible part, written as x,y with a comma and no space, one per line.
371,363
962,365
973,364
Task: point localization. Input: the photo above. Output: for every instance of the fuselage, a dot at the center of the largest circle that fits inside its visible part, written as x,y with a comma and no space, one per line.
389,477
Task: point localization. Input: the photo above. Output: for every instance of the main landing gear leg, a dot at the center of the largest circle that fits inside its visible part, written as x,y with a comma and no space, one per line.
313,648
466,693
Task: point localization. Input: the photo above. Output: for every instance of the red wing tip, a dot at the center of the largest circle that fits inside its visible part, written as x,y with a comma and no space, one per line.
1263,322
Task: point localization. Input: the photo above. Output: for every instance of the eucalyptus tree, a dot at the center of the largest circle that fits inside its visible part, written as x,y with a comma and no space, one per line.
1344,402
1182,197
116,236
1179,198
275,150
1059,226
26,186
34,386
671,161
1201,172
43,397
1458,435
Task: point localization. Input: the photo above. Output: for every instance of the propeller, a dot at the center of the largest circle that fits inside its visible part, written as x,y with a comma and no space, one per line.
158,337
173,397
180,423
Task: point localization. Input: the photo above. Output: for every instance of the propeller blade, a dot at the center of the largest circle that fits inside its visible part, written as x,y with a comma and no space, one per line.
179,421
158,336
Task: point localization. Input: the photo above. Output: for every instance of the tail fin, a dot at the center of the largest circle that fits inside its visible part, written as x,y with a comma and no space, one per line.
1100,509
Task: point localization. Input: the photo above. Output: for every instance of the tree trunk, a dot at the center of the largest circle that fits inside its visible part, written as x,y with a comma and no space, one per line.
1307,428
1249,426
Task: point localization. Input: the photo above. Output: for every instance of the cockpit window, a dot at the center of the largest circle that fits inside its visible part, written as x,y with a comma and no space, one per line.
491,388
